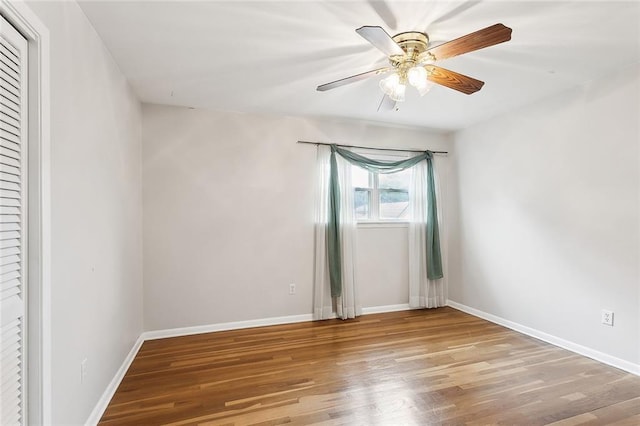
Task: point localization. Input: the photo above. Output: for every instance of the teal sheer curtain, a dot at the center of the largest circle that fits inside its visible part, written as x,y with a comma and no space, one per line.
334,252
434,257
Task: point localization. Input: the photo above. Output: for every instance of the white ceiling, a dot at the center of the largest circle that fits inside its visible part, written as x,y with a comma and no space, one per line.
268,57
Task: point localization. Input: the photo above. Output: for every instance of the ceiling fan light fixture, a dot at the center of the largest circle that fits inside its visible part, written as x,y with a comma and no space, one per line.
398,92
394,86
417,76
388,84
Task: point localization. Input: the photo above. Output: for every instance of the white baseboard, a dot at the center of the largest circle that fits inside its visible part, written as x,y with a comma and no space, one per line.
386,308
104,400
557,341
236,325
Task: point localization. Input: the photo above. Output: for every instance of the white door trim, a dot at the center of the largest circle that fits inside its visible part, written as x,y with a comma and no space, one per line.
39,219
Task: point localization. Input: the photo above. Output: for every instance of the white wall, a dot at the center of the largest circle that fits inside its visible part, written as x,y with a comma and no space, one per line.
96,212
548,231
228,215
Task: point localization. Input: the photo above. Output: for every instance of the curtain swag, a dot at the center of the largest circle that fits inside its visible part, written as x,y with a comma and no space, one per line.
434,257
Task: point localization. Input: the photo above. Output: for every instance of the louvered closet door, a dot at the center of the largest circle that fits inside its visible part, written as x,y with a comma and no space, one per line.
13,126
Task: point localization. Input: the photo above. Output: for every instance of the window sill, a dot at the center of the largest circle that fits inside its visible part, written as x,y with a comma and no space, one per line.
383,224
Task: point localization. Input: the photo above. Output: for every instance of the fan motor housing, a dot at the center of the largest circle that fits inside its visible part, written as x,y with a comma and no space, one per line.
411,38
414,44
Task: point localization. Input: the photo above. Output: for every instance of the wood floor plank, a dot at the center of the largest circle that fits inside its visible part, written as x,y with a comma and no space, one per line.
438,366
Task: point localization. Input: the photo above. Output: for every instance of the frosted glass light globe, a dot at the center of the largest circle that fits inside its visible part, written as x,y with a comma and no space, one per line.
388,85
417,76
398,92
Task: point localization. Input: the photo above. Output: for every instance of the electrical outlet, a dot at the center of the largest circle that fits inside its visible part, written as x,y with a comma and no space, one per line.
83,370
292,289
607,317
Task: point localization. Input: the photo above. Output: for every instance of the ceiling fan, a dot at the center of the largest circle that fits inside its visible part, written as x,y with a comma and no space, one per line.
412,61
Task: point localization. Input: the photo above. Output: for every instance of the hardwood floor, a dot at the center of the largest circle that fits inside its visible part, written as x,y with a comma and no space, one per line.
422,367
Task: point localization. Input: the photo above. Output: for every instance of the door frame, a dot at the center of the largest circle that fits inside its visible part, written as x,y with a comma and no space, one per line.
38,304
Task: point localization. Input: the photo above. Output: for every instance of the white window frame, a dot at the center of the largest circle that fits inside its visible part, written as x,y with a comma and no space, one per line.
38,306
375,221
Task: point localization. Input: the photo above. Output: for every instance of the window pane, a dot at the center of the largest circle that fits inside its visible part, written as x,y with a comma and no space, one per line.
359,177
362,203
394,204
398,180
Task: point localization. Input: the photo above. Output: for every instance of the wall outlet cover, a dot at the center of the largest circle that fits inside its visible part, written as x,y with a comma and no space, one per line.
607,317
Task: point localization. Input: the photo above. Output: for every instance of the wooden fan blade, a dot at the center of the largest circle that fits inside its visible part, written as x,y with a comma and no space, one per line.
386,104
453,80
380,39
486,37
351,79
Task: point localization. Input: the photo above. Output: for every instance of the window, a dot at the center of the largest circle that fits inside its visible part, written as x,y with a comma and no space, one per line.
380,197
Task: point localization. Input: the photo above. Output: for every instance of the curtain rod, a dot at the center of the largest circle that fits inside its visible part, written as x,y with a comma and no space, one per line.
368,147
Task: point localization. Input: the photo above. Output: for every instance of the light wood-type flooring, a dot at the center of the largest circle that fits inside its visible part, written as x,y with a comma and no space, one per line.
421,367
